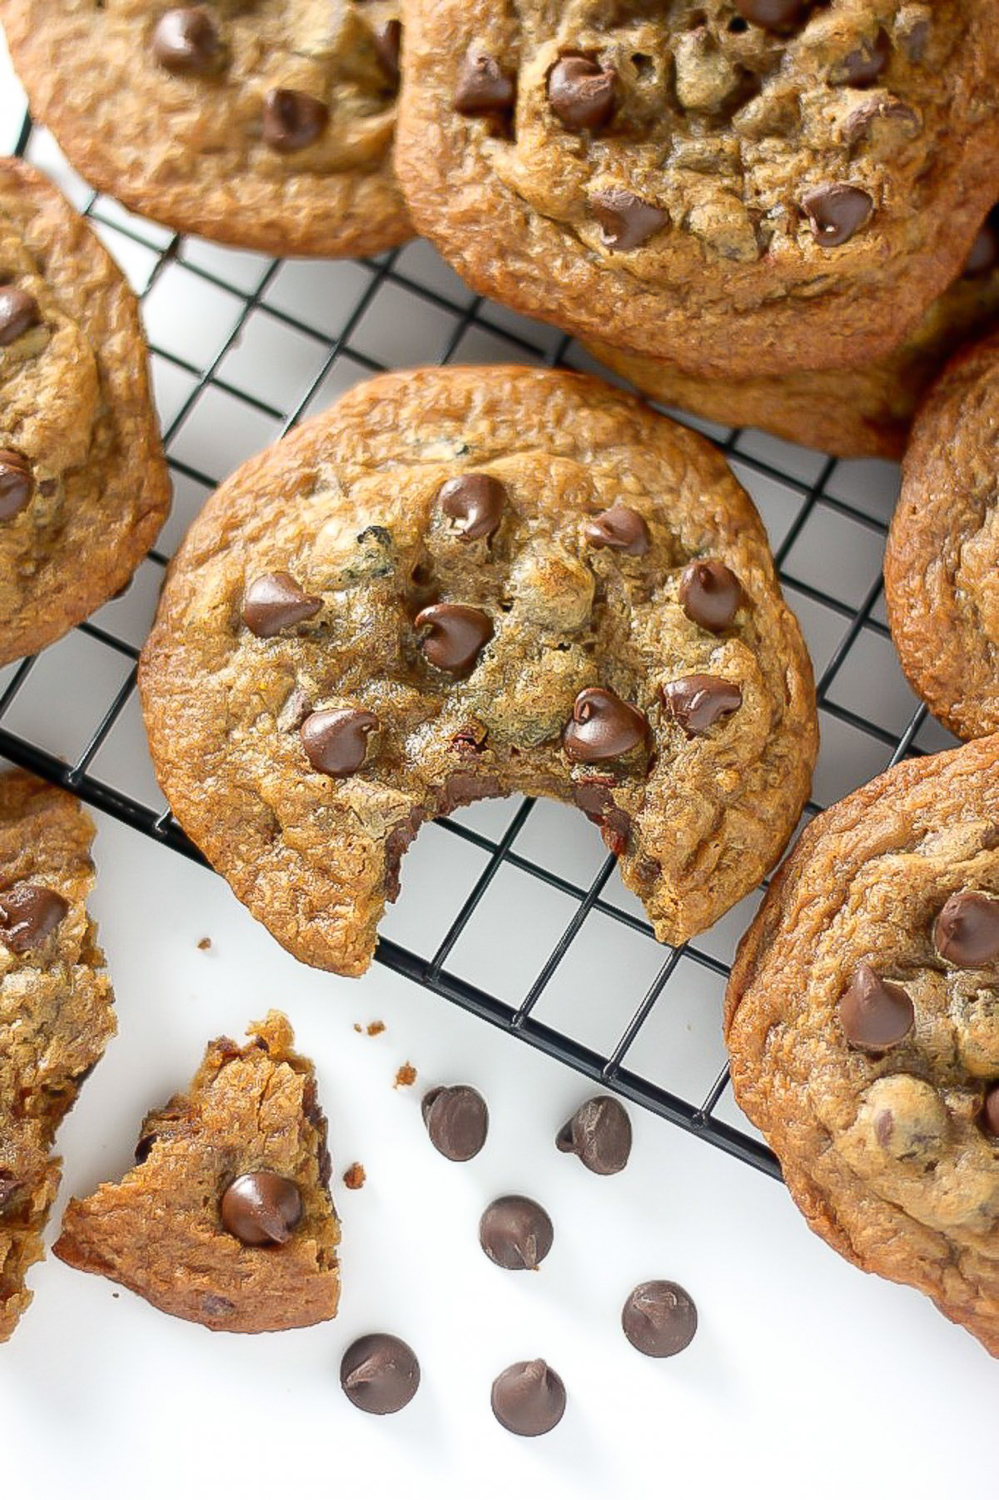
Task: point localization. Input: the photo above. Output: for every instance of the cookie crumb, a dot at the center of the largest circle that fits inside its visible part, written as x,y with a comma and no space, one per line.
358,1027
355,1176
405,1076
375,1028
205,944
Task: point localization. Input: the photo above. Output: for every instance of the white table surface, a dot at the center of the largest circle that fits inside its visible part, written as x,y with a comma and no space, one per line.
806,1377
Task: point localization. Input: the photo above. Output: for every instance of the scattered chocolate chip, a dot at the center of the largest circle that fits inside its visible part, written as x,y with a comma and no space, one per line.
261,1208
621,528
186,40
28,914
355,1176
474,502
388,45
483,86
457,1121
868,62
991,1109
516,1233
456,633
18,312
966,932
699,701
874,1014
380,1374
16,483
292,120
836,212
709,594
773,15
626,221
336,739
274,601
602,727
659,1319
599,1133
983,256
581,92
528,1399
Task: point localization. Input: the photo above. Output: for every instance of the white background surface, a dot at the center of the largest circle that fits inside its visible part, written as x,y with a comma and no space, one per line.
806,1377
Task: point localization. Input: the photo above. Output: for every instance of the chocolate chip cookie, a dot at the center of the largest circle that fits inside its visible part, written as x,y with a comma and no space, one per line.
744,186
943,547
226,1219
863,412
56,1013
863,1023
84,488
267,125
460,583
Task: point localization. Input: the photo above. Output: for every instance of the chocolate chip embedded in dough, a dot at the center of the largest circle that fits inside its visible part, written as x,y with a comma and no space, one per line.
620,528
837,212
483,86
581,92
773,15
336,739
699,701
602,727
867,62
709,594
474,504
456,633
966,931
261,1208
186,40
274,602
16,483
292,120
28,914
626,221
388,46
874,1013
18,312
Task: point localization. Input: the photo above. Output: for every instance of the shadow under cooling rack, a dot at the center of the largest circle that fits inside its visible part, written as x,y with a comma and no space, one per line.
242,348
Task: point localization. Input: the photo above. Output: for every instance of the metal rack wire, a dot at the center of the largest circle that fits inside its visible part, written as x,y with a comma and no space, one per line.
847,617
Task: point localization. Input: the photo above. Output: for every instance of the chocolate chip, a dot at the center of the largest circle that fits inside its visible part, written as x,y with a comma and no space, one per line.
16,483
581,92
836,212
483,86
774,15
868,62
991,1109
528,1398
274,601
292,120
516,1233
603,727
599,1133
659,1319
626,221
456,633
388,45
698,702
709,594
621,528
874,1014
379,1374
474,502
186,40
9,1185
457,1121
261,1208
18,312
28,914
143,1148
966,932
983,257
336,739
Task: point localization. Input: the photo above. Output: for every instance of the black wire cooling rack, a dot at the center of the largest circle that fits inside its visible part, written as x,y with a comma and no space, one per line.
827,521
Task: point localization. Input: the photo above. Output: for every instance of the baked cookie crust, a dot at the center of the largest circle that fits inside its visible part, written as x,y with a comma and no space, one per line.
84,488
862,1019
267,126
459,583
744,188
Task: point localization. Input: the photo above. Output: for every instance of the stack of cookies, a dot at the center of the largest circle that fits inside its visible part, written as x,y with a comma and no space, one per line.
464,583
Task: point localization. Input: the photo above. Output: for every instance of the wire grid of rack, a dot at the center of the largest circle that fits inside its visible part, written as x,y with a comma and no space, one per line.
826,520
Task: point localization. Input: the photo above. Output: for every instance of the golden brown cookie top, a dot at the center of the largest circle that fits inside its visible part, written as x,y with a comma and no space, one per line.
745,188
55,1008
863,1024
943,547
267,125
462,582
226,1219
83,485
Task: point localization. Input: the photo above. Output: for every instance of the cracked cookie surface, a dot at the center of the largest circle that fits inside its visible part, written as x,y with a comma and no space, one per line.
226,1219
267,125
84,487
56,1013
862,412
701,181
863,1025
459,583
943,547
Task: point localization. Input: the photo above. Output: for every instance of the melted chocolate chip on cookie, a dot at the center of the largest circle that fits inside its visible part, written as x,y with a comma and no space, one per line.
966,932
483,86
336,739
626,221
581,92
274,601
474,504
16,483
603,727
837,212
292,120
28,913
456,633
709,594
261,1208
621,528
865,65
388,46
18,312
699,701
773,15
